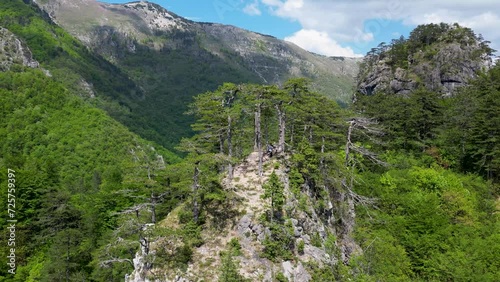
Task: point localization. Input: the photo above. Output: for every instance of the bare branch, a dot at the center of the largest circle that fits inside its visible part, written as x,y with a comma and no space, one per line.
368,154
109,262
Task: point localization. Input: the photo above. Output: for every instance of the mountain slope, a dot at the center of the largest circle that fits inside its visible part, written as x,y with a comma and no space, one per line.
14,52
66,181
58,144
172,59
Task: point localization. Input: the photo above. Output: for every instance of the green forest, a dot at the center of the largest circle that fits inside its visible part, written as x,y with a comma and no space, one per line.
408,185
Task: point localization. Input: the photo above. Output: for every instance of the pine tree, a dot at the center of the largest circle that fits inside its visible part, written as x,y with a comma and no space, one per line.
274,190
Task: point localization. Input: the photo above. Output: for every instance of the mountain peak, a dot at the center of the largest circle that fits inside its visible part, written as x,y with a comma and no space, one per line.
155,16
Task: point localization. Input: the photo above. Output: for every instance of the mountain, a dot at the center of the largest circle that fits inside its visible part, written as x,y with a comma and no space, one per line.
436,57
172,59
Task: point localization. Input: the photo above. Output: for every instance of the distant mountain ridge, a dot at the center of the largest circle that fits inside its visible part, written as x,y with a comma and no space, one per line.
172,59
143,22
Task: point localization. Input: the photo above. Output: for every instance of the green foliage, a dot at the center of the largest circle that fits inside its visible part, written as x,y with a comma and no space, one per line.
432,220
229,271
280,277
322,274
410,123
235,247
296,180
192,234
426,217
316,240
470,135
183,255
273,189
384,258
427,39
300,247
67,186
279,244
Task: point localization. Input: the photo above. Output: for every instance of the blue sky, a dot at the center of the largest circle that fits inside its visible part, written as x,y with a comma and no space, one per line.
340,27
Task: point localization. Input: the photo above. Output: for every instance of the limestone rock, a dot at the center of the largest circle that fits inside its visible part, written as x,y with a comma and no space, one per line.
295,273
14,51
443,68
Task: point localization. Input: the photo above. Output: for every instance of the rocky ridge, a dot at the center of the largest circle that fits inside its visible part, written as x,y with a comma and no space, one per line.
246,226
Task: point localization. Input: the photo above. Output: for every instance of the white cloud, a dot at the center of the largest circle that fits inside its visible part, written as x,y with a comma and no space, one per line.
343,20
252,9
321,43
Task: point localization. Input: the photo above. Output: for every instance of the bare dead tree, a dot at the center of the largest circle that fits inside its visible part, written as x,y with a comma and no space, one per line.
229,148
281,127
258,131
366,127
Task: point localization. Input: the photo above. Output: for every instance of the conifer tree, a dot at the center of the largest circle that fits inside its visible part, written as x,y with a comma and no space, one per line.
273,189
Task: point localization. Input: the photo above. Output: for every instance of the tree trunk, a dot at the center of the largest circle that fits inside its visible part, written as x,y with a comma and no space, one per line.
229,149
348,143
221,144
153,207
348,215
282,128
196,186
258,135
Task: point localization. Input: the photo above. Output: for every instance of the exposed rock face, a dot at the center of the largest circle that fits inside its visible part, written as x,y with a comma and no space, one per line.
13,51
451,67
295,273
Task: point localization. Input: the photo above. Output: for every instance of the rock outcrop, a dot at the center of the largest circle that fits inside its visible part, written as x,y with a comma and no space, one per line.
442,66
13,51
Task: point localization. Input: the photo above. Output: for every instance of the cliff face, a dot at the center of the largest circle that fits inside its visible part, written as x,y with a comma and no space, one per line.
13,51
442,64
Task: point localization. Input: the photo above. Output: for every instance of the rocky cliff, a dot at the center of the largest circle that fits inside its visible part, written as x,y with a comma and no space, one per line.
14,52
439,58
